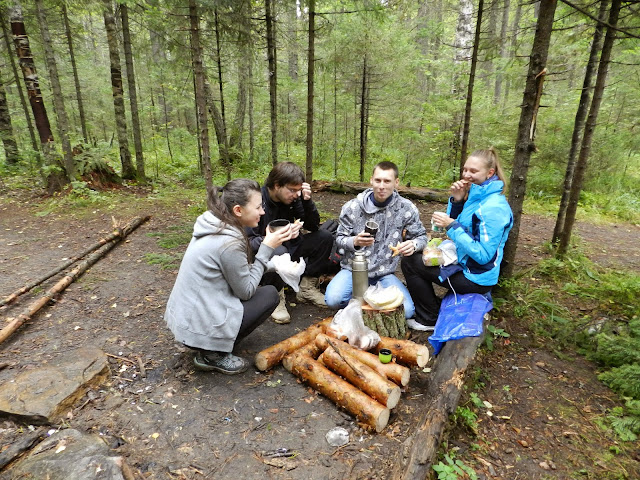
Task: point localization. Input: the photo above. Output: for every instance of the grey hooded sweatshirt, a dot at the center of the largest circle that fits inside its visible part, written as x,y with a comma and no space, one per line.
397,216
204,308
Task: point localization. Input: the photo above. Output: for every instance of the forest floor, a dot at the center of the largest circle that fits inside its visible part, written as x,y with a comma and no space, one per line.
176,423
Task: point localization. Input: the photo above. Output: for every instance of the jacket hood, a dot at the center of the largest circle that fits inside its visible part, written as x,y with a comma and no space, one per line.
488,188
367,204
209,224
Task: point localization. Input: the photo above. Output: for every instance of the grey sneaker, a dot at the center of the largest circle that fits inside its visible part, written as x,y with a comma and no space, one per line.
222,362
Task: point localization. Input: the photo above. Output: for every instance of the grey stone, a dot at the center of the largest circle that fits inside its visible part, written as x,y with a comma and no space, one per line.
45,394
70,455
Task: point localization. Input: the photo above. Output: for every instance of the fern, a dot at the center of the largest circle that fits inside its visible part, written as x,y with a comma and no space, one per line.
624,379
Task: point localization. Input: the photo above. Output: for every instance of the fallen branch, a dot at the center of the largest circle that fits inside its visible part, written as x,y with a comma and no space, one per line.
116,234
69,278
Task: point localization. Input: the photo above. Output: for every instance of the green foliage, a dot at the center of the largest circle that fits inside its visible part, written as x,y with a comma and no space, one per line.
624,380
494,333
454,469
627,427
176,237
466,418
165,260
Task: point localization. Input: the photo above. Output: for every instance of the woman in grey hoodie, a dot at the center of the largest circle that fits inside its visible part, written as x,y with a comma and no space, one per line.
216,300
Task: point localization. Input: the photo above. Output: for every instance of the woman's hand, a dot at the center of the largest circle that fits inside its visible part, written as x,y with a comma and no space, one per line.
441,220
277,238
459,190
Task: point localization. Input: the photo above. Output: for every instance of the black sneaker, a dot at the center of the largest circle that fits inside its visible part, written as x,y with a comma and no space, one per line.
222,362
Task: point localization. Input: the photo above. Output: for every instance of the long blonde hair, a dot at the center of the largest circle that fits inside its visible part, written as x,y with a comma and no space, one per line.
490,158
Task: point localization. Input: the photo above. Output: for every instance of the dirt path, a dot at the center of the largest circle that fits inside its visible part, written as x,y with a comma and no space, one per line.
176,423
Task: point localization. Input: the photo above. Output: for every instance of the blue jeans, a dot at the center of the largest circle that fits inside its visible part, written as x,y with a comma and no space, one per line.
339,290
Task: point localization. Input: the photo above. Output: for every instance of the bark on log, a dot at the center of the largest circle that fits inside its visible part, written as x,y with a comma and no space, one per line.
428,194
341,392
443,393
311,349
362,376
269,357
406,352
70,277
388,323
398,374
117,233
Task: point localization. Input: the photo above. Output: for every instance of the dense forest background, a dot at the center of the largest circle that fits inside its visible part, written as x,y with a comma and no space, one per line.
164,91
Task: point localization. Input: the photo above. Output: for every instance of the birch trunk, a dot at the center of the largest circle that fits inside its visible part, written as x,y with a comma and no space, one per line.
128,172
133,95
525,142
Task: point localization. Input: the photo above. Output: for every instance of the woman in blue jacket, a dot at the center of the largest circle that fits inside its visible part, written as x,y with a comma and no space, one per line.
478,221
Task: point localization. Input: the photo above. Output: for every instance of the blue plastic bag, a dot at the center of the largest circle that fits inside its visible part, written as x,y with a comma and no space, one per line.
460,316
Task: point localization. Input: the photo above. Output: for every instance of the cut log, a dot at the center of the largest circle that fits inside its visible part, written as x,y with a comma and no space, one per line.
65,281
311,349
406,352
269,357
418,193
388,323
441,400
115,235
398,374
362,376
342,393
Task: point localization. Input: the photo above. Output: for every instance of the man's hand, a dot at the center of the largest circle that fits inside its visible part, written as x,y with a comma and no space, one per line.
406,248
306,191
296,227
363,239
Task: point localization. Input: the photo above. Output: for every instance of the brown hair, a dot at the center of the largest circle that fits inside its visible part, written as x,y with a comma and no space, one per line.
235,192
284,173
386,165
491,160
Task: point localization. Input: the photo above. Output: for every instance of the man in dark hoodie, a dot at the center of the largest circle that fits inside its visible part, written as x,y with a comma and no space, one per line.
287,195
394,215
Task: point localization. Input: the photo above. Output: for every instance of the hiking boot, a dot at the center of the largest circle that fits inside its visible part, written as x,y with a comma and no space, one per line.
420,327
222,362
280,314
309,292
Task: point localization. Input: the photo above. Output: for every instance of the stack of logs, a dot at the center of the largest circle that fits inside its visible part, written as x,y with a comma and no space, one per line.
353,379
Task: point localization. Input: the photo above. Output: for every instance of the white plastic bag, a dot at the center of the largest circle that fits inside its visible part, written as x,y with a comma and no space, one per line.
383,298
439,252
289,271
348,322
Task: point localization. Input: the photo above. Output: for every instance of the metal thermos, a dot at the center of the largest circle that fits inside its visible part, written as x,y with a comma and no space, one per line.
360,274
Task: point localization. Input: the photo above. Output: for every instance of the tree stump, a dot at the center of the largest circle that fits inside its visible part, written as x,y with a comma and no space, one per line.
388,323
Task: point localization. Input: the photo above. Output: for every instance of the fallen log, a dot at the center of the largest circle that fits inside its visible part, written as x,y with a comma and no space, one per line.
269,357
311,349
406,352
398,374
26,314
418,193
443,394
362,376
116,234
362,406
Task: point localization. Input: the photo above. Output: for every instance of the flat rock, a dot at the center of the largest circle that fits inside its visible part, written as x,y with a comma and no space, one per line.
45,394
70,455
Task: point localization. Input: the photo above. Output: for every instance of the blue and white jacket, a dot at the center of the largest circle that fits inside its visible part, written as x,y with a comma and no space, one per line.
480,230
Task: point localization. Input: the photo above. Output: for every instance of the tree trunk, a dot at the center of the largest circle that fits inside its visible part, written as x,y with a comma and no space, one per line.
56,89
6,130
273,77
224,146
310,85
364,97
252,131
201,99
133,95
581,116
585,148
525,142
128,172
389,323
16,76
490,43
244,65
497,92
464,37
513,45
54,177
472,77
76,78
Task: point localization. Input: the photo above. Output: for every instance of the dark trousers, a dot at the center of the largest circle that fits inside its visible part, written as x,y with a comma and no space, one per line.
420,280
256,310
315,248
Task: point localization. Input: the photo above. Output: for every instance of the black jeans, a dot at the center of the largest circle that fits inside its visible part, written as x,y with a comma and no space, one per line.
315,248
420,280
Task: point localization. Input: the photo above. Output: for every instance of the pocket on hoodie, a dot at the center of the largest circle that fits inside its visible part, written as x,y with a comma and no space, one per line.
216,327
230,326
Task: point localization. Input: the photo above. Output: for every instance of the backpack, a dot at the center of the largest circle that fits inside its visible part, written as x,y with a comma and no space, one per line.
331,226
